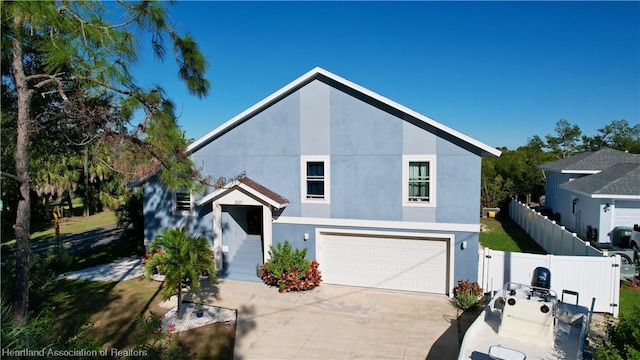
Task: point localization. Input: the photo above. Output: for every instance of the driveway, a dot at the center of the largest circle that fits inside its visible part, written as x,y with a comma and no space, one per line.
83,241
336,322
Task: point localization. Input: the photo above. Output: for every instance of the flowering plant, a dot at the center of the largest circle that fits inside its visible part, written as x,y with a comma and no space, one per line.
158,342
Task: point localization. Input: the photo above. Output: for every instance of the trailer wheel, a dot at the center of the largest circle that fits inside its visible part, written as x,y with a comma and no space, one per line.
624,259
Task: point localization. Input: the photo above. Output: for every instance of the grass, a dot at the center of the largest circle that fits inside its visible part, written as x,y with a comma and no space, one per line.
70,225
505,235
113,306
629,297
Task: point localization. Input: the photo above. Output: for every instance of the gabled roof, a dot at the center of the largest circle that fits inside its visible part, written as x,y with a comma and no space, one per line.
617,181
252,188
591,162
341,83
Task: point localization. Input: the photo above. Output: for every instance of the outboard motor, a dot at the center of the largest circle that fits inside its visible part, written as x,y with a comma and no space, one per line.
541,278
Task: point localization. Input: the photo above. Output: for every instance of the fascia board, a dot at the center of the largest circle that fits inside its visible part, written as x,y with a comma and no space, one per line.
231,187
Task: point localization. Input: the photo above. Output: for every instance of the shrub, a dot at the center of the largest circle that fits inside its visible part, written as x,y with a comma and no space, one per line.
623,339
466,294
157,342
289,270
131,219
39,332
465,286
43,269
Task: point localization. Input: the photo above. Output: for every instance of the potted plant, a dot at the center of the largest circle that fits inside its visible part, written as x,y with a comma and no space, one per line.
198,310
259,270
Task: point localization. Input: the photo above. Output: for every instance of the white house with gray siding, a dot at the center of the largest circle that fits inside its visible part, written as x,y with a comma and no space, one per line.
380,195
594,192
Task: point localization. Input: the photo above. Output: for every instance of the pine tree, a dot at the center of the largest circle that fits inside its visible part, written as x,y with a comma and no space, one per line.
75,57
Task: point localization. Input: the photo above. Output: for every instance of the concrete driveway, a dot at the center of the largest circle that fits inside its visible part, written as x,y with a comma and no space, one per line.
336,322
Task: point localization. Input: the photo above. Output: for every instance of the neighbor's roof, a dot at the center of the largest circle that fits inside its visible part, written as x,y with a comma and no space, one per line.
617,181
338,82
591,162
250,187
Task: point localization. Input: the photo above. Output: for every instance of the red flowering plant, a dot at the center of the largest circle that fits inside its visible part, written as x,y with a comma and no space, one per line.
158,342
466,294
289,270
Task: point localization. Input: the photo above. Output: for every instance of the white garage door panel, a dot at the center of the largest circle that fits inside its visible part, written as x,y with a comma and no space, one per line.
627,213
382,262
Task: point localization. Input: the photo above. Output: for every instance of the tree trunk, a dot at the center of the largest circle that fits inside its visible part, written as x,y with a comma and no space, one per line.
67,197
23,216
179,314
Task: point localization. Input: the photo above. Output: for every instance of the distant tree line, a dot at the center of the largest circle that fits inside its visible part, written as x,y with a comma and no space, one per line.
515,172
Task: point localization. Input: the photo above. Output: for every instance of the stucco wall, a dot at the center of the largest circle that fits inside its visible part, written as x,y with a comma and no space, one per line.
158,214
365,145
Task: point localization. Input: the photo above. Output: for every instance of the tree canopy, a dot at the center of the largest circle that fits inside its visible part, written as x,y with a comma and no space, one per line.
67,81
515,173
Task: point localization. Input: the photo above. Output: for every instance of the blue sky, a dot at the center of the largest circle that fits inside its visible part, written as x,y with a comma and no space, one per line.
500,72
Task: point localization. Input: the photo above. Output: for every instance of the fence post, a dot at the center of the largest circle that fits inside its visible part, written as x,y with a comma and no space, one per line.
615,282
545,231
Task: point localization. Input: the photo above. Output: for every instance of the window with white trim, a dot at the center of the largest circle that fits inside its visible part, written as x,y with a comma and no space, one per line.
418,180
183,202
315,178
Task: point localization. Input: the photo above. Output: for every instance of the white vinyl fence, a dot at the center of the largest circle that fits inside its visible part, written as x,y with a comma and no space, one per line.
553,238
589,276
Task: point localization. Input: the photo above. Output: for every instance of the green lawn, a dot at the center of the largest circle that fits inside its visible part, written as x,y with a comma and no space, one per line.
629,297
505,235
71,225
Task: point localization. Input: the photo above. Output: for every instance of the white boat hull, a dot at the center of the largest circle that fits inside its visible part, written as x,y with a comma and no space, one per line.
486,340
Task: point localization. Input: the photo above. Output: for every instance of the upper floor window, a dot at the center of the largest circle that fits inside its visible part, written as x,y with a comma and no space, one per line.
183,202
419,180
315,178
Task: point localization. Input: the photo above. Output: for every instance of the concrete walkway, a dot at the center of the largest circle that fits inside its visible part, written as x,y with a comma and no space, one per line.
119,270
336,322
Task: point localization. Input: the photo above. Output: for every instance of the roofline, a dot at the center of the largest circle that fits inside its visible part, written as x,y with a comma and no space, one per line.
310,76
562,171
589,172
236,183
602,196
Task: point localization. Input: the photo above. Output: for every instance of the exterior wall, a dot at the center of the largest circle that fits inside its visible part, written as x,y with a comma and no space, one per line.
590,216
458,184
158,214
465,259
365,147
366,172
558,199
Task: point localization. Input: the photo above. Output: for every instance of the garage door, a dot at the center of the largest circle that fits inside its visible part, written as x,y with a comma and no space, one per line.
627,213
399,263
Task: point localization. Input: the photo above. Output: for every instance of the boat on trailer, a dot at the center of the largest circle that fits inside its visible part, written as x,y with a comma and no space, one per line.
527,322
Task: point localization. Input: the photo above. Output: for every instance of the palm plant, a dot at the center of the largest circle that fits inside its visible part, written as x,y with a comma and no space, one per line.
182,257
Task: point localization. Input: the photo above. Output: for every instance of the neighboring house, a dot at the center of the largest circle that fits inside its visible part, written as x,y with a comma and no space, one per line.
594,192
379,194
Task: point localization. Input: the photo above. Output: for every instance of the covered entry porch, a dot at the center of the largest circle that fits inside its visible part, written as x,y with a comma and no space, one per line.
242,233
